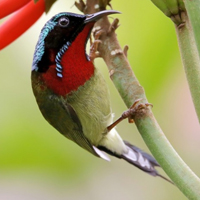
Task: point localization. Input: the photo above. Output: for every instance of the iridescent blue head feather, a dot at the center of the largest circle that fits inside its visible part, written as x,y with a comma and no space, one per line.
40,47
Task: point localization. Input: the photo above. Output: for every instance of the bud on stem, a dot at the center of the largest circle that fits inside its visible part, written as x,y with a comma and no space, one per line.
171,8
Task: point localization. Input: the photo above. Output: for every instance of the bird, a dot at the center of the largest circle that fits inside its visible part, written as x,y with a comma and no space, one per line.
72,94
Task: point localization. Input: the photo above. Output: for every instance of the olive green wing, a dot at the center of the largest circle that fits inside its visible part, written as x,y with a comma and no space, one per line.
75,133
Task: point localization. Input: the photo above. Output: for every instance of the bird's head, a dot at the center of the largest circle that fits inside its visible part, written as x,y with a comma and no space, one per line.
60,57
59,33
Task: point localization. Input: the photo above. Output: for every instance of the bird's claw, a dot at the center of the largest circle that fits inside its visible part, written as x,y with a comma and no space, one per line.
134,109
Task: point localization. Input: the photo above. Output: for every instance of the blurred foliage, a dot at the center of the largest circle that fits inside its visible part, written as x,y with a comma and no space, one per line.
36,162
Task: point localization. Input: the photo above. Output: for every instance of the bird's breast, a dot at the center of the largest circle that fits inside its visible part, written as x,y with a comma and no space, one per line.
91,103
73,76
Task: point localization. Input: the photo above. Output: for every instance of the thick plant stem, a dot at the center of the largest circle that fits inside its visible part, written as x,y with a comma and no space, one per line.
189,43
130,90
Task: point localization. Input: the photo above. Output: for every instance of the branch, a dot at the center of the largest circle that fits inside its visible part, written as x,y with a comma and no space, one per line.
130,90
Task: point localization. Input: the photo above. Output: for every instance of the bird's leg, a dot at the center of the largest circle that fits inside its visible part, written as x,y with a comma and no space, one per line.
129,113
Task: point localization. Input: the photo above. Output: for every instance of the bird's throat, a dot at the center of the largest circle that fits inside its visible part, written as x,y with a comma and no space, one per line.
76,68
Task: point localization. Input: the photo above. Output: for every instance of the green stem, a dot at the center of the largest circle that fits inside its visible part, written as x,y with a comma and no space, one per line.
189,43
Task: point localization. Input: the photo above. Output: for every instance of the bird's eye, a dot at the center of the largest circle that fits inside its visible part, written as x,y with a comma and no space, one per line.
63,22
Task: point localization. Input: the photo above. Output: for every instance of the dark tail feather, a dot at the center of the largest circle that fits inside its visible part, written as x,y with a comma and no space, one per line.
142,160
138,158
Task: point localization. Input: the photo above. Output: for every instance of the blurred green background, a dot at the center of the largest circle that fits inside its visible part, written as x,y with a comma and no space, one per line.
38,163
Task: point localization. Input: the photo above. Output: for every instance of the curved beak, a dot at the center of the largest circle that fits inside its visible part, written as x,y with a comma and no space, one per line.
96,16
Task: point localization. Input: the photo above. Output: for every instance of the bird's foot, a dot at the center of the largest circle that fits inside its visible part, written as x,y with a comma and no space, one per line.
130,113
134,109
